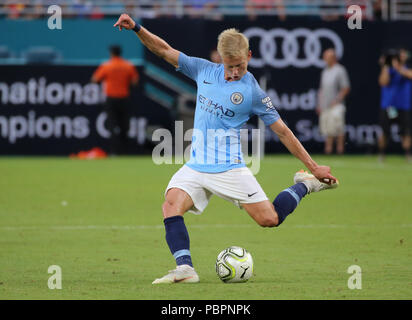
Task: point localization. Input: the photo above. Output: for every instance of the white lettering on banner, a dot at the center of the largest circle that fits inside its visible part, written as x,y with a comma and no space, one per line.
44,127
169,150
137,129
363,134
290,48
101,129
15,127
306,131
294,101
38,91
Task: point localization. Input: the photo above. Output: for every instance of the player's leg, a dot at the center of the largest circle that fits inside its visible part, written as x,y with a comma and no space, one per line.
273,214
385,125
263,213
184,193
382,142
177,202
340,144
109,108
406,145
241,187
340,130
124,120
329,145
405,131
325,128
268,214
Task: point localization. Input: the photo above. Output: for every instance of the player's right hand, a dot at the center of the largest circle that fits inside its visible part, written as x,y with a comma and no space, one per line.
125,22
322,173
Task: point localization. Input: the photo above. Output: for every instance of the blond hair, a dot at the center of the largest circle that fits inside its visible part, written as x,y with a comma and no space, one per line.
232,43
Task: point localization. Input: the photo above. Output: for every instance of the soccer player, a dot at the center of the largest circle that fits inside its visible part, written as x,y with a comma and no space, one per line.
227,96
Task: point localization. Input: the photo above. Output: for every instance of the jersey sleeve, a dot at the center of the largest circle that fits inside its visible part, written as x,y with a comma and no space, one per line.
262,105
101,72
192,66
344,79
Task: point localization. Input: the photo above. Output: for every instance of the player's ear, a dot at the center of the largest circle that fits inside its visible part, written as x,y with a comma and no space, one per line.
249,55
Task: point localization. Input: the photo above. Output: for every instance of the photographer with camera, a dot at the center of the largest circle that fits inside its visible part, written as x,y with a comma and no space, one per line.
395,81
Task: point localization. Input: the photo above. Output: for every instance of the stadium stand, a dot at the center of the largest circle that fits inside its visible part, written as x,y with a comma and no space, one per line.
42,55
5,52
213,9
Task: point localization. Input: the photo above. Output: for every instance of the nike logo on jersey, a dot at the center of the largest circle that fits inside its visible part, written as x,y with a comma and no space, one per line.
249,195
205,82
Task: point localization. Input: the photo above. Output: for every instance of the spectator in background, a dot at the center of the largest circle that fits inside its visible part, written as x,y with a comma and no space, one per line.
327,5
334,87
395,80
377,9
117,75
200,8
82,8
266,5
230,8
14,10
306,8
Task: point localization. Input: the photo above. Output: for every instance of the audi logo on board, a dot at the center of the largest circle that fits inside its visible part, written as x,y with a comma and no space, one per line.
291,52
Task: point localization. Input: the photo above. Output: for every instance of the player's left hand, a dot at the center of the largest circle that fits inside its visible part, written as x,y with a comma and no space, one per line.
322,173
125,22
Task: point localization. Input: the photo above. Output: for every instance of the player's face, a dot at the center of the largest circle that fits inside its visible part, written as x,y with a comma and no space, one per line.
236,67
329,57
403,56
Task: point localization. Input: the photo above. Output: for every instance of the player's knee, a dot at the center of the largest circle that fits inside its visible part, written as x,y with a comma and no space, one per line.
168,209
269,222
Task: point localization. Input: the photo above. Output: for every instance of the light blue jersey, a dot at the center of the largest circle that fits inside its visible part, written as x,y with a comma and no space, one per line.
222,107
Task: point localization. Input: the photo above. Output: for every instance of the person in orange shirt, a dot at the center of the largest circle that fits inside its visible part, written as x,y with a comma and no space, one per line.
118,75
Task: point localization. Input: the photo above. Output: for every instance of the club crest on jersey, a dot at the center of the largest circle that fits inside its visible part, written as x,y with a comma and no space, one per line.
236,98
269,105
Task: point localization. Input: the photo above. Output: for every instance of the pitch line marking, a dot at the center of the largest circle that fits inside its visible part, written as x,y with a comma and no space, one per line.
197,226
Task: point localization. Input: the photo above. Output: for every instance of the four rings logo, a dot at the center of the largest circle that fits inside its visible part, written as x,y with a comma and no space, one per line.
289,50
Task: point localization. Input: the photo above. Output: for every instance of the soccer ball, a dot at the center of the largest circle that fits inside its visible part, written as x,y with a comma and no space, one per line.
234,264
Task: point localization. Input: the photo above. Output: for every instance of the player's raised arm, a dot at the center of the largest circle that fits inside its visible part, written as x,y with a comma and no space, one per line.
154,43
289,140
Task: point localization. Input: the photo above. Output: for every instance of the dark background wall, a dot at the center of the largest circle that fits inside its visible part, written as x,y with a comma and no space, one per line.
72,120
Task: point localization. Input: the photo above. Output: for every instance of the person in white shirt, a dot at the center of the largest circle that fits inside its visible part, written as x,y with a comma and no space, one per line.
334,87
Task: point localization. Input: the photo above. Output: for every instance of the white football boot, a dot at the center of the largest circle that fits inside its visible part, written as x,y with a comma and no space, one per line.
312,183
182,274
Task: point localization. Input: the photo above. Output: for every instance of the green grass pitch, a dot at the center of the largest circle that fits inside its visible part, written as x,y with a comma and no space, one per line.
101,222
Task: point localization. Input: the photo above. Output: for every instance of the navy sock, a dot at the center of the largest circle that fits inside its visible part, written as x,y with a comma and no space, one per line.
288,200
177,239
